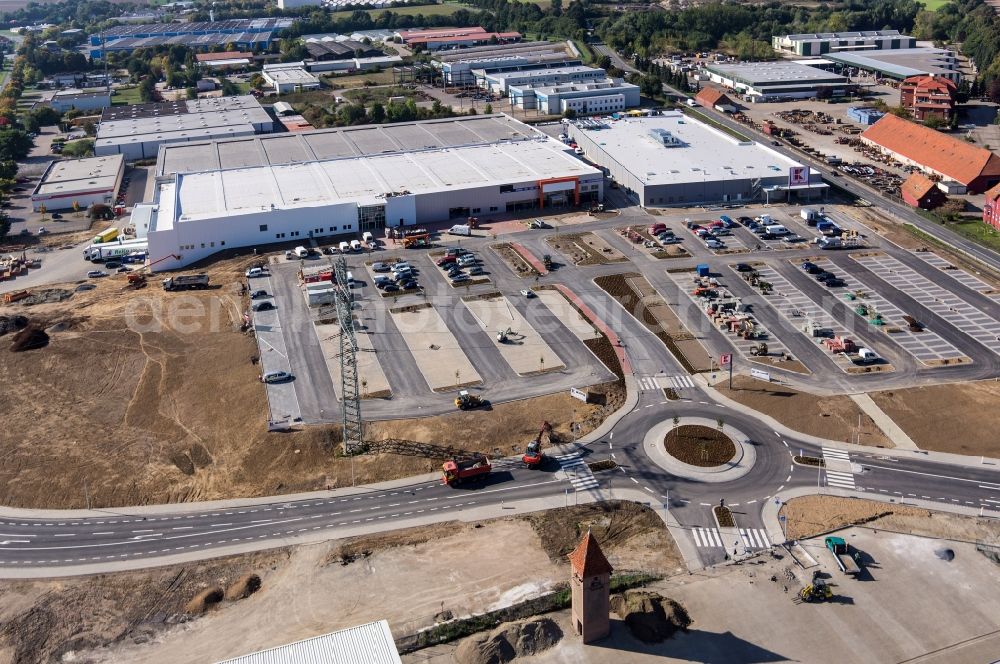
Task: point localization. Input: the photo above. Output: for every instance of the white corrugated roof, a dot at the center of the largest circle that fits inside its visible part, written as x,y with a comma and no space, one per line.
364,644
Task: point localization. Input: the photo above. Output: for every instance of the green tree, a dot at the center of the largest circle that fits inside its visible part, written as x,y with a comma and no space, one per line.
489,109
378,113
4,224
8,169
15,144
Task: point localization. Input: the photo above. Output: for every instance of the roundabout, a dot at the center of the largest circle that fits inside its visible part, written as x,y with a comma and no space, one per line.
697,448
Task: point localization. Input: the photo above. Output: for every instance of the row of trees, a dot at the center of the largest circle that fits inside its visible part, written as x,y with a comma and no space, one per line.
976,26
347,115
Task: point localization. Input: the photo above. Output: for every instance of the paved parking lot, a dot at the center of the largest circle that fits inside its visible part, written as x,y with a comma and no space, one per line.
775,347
963,277
969,319
799,310
281,397
927,347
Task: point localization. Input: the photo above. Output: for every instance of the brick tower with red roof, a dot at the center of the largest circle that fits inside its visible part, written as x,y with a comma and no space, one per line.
590,583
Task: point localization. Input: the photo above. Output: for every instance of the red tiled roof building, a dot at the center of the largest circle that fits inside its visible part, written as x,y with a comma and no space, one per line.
928,96
991,208
935,153
921,192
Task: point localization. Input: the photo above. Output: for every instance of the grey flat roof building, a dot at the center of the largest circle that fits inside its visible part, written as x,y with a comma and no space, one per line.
900,64
766,81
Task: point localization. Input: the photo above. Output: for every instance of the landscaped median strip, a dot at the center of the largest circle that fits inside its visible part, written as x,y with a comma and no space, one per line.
599,324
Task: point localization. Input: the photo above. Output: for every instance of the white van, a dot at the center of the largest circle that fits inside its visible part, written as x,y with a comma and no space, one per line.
355,245
350,279
301,252
692,103
776,229
344,247
367,237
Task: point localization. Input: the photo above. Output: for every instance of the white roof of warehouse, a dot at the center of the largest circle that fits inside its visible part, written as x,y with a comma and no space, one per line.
222,193
364,644
706,154
554,71
93,174
291,75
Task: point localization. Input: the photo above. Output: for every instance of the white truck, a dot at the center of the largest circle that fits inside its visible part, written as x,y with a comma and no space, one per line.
300,252
98,253
867,356
355,245
461,229
776,230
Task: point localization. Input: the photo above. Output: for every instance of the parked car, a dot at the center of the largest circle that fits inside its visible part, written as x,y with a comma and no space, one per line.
263,306
455,251
835,282
112,265
528,293
390,288
96,274
823,275
255,272
811,268
468,261
744,267
276,377
459,278
744,220
445,260
380,267
714,244
257,294
476,270
409,285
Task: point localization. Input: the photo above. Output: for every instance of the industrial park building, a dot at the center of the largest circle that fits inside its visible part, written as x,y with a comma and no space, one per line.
457,66
67,100
596,97
434,39
832,42
776,81
500,82
251,34
136,132
672,159
288,77
900,65
81,181
953,160
212,196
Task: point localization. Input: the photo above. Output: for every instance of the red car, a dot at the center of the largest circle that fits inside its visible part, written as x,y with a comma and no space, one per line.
441,262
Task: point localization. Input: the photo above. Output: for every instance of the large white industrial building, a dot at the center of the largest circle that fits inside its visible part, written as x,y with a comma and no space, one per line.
457,66
373,177
81,181
288,77
602,96
137,132
777,81
499,82
672,159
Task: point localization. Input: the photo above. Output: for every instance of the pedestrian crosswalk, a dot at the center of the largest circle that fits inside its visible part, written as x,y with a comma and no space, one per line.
662,382
710,538
578,472
707,537
837,478
755,538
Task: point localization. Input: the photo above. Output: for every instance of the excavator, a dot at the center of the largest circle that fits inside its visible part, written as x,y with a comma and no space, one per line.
503,335
759,350
533,456
465,401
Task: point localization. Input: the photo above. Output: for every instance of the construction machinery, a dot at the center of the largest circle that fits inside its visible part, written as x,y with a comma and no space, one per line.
846,561
503,335
547,262
759,350
533,456
597,207
840,344
465,401
458,470
186,282
817,591
136,280
417,241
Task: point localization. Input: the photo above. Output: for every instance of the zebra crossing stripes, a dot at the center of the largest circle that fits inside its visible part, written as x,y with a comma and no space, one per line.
755,538
578,472
707,538
837,478
660,382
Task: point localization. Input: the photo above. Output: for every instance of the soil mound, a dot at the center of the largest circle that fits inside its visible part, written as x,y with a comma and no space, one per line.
650,617
48,296
243,587
509,641
12,324
205,600
30,338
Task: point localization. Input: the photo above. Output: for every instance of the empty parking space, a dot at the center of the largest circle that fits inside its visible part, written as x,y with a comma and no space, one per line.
273,350
371,378
518,342
437,353
964,277
574,321
926,346
949,306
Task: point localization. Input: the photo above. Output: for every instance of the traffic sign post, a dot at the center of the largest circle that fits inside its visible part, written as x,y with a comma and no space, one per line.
726,359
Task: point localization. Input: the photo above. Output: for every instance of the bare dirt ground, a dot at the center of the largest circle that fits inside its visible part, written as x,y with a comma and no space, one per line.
831,417
971,410
150,397
408,577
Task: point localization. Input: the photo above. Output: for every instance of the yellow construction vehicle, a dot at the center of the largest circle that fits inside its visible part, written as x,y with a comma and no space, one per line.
818,591
465,401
